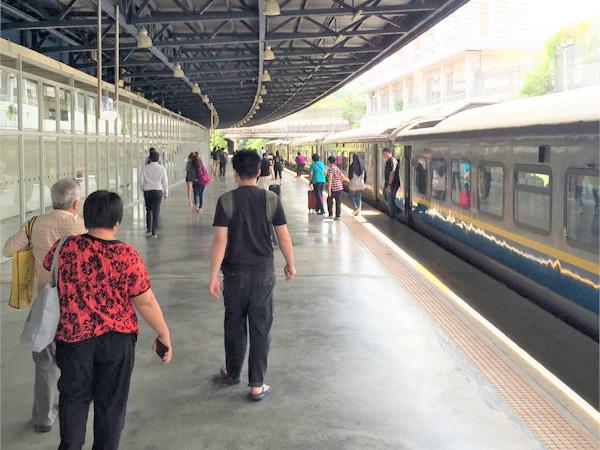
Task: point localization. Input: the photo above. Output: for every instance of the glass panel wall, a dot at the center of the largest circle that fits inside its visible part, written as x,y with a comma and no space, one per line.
49,111
10,191
31,117
66,158
50,171
9,100
79,113
65,111
103,164
91,114
32,177
80,165
92,165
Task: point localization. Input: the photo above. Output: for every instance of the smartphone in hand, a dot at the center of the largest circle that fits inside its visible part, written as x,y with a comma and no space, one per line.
161,348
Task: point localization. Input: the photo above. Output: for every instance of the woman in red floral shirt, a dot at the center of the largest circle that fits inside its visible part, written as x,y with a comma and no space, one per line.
100,280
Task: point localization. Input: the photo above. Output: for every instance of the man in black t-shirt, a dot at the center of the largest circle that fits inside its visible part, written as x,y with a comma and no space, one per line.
391,177
242,249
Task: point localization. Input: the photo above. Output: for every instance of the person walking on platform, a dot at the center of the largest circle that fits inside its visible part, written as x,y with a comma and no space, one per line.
242,250
63,220
100,282
155,185
266,173
316,173
335,187
190,176
357,176
215,161
201,182
391,176
222,162
278,166
300,162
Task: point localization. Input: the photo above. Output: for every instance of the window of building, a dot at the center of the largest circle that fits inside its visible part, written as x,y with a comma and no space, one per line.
491,189
65,110
50,110
91,114
533,196
461,183
438,178
420,176
31,117
581,208
79,113
9,100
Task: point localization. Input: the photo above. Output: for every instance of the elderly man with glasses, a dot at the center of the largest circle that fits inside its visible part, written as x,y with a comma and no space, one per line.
63,220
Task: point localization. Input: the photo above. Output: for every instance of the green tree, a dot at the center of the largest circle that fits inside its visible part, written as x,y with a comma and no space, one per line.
218,140
353,109
253,143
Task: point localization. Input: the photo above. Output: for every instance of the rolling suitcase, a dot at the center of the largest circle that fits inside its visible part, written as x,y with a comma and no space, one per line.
312,201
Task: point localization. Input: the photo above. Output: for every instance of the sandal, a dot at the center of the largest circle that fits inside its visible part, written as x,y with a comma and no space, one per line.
264,391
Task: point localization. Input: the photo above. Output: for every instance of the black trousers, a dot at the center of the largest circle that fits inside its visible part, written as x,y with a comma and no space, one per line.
278,171
335,195
248,304
222,169
152,200
99,370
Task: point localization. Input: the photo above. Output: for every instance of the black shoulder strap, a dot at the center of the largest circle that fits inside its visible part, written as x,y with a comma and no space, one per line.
272,200
271,203
227,204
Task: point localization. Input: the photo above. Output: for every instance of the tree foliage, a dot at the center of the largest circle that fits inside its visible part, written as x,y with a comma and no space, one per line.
218,140
253,143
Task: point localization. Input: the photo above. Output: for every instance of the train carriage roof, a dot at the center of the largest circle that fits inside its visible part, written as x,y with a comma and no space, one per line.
308,140
570,107
361,134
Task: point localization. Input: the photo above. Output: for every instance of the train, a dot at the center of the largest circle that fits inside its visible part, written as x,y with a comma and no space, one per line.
511,187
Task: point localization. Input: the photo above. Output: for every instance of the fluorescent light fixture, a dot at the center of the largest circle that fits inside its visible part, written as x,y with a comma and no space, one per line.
260,100
178,71
338,39
121,83
271,8
265,76
143,39
196,89
357,14
257,108
205,99
268,55
263,91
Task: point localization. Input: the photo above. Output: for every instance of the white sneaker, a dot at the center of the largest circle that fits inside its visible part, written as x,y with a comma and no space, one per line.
148,233
154,236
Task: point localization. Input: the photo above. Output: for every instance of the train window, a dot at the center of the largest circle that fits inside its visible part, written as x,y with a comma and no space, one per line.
533,196
461,183
491,189
438,178
421,176
581,207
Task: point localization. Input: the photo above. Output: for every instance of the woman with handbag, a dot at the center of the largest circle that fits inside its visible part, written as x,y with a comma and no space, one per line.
202,180
101,283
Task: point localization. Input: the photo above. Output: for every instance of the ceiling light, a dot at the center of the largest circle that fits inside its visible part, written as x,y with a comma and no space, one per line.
357,14
143,40
263,91
260,100
121,83
271,8
178,71
196,89
268,55
257,108
205,99
265,76
338,39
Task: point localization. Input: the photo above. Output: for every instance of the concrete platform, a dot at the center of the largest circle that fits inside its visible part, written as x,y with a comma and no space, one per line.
356,363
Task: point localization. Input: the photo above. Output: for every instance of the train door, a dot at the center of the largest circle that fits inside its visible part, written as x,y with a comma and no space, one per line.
402,154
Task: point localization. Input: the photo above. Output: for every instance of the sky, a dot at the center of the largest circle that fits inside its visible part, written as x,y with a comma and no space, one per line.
548,16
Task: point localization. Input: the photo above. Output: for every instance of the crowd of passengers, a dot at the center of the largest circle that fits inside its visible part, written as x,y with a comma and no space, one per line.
103,281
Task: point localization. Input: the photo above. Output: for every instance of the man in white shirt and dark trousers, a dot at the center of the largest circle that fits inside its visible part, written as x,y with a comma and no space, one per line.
155,184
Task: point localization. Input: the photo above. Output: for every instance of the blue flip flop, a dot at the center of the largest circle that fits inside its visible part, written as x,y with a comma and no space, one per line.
263,393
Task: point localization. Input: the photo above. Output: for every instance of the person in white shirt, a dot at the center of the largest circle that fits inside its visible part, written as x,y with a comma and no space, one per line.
155,184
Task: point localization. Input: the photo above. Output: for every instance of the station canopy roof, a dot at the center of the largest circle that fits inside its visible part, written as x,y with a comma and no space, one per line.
225,46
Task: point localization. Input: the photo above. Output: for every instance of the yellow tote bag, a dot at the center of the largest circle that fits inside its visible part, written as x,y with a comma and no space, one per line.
21,288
